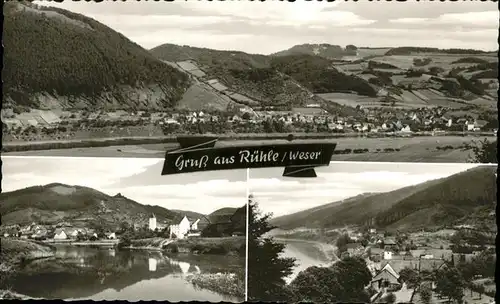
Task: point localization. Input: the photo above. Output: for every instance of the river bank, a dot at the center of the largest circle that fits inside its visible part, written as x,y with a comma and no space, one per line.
433,149
229,284
19,146
216,246
16,252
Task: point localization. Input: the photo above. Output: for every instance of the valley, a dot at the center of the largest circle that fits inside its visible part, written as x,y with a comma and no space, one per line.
173,90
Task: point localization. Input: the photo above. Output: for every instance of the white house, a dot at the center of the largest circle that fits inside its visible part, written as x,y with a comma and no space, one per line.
470,125
60,235
112,236
152,222
406,129
387,255
181,230
194,226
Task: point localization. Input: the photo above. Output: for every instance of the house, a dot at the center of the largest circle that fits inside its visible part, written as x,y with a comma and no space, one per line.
194,226
406,129
60,234
430,264
387,277
389,243
387,255
111,236
182,229
373,230
152,222
480,124
469,125
71,232
354,248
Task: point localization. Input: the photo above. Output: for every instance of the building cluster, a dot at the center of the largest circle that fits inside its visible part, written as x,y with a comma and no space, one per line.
183,229
318,120
386,258
61,231
248,120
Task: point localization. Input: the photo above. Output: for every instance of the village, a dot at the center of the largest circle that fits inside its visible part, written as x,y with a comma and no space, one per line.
66,232
405,267
49,125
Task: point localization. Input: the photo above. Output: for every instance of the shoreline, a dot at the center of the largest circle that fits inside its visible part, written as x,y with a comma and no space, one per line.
24,146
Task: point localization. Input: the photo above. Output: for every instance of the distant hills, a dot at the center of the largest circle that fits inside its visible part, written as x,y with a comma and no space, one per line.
55,58
322,50
468,197
58,59
54,203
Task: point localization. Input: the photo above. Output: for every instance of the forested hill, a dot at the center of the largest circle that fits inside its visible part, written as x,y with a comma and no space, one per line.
467,197
57,58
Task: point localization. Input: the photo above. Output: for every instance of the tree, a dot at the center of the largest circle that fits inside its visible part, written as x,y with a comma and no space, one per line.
266,268
389,298
425,293
343,282
342,242
124,226
410,277
450,284
484,152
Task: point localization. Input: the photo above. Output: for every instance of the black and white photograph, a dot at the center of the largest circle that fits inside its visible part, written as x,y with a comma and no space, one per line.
101,98
388,81
363,232
115,229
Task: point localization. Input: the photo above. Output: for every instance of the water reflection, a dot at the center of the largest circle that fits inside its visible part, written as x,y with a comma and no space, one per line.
103,274
152,264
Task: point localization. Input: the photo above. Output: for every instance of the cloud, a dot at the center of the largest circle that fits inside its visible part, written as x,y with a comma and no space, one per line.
272,26
486,19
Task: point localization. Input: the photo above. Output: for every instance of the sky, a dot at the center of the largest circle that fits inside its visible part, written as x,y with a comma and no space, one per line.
136,178
271,26
340,180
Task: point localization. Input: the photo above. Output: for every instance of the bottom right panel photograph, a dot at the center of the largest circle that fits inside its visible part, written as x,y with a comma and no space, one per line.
363,232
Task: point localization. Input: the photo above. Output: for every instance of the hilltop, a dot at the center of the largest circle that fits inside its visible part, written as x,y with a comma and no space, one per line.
464,198
324,50
54,58
56,203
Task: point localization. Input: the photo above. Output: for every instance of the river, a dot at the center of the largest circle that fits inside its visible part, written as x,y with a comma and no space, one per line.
78,273
307,254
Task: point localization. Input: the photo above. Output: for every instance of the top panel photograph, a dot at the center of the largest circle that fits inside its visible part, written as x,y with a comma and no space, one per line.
385,81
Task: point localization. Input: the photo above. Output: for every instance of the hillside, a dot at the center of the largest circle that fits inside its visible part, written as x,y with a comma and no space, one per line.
55,203
54,58
245,79
339,79
221,215
466,197
319,76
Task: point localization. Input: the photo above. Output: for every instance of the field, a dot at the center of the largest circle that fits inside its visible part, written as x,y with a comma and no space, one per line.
411,149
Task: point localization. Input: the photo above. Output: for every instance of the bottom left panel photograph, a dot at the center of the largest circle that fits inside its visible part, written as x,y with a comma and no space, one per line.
115,229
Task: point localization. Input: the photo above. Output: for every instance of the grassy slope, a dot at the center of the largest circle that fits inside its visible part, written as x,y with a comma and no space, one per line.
433,203
96,59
